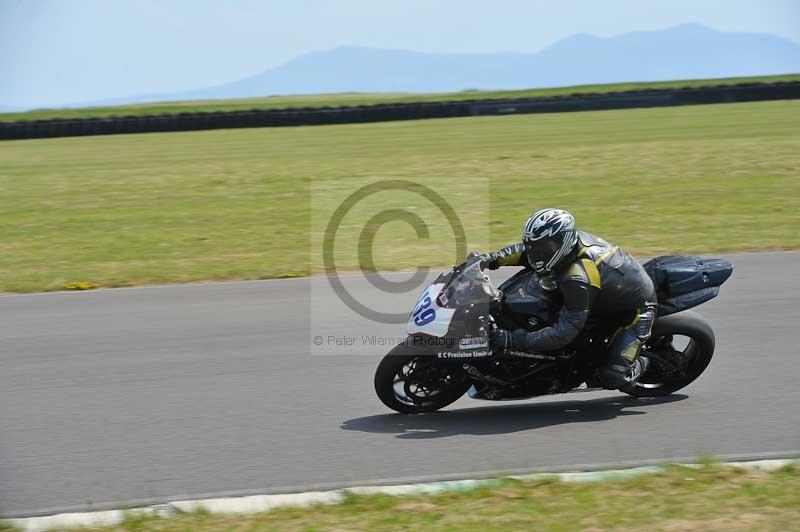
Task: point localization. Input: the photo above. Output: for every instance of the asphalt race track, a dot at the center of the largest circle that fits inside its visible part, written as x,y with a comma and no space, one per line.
141,395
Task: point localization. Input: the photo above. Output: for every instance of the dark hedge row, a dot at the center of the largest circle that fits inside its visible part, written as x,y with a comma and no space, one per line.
404,111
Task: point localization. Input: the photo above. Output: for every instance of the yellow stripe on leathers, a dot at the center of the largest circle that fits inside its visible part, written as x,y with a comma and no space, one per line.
630,352
591,265
605,255
588,267
510,260
592,272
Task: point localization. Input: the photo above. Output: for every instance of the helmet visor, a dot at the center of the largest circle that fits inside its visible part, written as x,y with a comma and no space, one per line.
541,252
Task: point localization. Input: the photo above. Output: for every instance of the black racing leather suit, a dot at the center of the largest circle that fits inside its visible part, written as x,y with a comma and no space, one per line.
597,278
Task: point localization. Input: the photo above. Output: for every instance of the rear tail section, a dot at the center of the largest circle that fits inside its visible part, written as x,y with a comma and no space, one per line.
686,281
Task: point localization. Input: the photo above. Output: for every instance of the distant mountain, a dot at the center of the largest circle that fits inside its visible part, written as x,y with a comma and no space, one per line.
681,52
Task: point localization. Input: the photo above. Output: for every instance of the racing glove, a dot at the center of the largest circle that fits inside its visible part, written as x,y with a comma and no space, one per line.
490,261
503,339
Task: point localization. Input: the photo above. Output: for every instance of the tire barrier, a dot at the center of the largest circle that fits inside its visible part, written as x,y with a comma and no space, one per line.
746,92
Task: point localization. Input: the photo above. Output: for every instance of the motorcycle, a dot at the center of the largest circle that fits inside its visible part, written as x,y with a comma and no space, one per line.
447,351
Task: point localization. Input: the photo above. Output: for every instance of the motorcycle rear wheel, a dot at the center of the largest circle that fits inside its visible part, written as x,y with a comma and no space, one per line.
410,382
696,354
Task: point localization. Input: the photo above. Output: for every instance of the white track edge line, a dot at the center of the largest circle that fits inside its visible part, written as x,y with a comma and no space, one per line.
251,504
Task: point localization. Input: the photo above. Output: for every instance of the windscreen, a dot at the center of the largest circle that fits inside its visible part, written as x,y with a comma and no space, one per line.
470,285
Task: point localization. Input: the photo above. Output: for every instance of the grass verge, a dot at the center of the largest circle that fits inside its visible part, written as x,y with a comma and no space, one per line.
237,204
710,498
336,100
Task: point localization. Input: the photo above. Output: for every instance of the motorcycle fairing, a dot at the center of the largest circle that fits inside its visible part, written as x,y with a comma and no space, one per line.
429,317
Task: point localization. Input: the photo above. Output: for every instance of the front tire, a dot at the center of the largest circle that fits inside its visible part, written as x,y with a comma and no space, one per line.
412,382
692,359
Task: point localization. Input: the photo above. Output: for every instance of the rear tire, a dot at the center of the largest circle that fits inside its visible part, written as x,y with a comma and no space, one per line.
698,352
410,381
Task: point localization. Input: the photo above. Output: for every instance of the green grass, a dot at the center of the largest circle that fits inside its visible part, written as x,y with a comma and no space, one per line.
335,100
237,204
710,499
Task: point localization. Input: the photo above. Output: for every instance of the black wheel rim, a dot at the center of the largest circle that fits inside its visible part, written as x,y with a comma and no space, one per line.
670,359
421,383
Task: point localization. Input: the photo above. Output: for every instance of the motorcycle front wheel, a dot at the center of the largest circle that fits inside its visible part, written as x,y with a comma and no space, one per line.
410,382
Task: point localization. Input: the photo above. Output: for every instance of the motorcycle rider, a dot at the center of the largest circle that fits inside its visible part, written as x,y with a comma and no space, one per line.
594,278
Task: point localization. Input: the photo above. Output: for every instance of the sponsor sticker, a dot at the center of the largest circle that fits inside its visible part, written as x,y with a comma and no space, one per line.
473,343
442,299
470,354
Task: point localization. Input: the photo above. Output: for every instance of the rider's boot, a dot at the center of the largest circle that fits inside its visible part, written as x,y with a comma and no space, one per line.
640,367
616,373
621,372
624,365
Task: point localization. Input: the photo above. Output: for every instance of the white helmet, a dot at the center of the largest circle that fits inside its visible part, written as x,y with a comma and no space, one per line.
549,236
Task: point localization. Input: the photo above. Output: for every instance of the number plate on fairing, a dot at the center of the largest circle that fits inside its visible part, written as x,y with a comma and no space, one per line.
428,317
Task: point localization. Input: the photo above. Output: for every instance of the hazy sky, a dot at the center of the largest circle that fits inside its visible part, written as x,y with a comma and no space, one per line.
65,51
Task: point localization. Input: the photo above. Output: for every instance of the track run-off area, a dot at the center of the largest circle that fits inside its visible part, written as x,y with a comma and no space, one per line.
130,396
